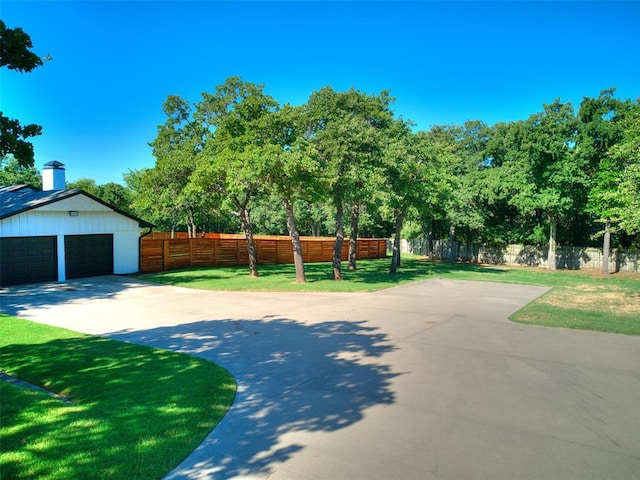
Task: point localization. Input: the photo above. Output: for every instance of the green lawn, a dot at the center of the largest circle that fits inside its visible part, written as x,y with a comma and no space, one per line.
371,275
135,412
578,299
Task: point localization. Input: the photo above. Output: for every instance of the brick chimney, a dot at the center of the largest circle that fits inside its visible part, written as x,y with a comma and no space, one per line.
53,176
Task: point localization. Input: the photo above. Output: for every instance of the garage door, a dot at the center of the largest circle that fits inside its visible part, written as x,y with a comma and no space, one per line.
88,255
28,260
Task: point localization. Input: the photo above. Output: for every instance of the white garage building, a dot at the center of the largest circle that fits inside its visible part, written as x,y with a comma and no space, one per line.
60,233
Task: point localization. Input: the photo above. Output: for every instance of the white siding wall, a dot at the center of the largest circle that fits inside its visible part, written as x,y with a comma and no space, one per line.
37,223
92,218
126,252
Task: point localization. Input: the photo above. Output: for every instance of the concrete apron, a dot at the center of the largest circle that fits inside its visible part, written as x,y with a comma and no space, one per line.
428,380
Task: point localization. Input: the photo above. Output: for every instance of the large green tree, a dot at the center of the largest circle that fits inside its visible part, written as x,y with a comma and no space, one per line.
502,220
539,170
155,204
626,156
111,192
405,180
233,164
558,174
12,172
600,127
85,184
293,171
345,129
16,54
461,159
180,139
116,195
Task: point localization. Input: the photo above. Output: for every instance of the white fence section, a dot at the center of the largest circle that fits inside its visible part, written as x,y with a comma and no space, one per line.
570,258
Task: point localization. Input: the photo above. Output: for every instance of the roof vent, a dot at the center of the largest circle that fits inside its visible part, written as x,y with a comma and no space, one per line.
53,176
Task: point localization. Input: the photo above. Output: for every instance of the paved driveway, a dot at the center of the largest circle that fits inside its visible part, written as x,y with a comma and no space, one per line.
427,381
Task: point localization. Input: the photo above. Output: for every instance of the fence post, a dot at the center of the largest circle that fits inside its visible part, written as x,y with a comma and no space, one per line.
165,255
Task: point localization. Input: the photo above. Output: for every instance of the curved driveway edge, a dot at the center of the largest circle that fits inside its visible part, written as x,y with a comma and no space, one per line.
424,381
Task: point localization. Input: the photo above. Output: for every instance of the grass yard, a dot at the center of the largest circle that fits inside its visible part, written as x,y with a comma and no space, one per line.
371,275
578,299
134,412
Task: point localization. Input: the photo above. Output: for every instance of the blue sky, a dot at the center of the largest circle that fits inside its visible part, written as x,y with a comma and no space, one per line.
114,63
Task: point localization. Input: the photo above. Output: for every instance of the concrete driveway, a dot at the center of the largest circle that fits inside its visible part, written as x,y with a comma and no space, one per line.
426,381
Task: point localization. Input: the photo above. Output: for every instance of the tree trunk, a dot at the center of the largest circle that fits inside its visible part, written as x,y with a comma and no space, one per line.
295,241
395,255
551,257
337,247
606,247
430,240
353,236
191,223
452,244
245,222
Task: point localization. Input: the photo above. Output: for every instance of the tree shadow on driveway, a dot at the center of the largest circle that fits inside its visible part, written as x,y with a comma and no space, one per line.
18,299
293,378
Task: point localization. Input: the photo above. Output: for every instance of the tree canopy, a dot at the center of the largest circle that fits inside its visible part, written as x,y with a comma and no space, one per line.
15,54
238,161
13,172
551,178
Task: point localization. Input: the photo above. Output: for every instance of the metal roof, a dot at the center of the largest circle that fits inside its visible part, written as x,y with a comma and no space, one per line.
20,198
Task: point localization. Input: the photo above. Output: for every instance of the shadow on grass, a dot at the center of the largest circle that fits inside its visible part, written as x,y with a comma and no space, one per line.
292,377
376,272
373,273
136,412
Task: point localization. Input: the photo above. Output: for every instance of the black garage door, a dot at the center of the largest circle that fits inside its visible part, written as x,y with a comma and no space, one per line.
88,255
28,260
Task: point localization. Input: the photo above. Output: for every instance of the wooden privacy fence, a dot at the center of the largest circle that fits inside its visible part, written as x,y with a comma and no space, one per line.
158,253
